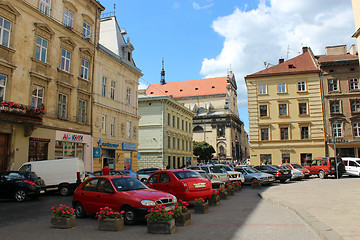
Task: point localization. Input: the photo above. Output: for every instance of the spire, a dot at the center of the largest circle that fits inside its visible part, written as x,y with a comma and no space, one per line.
162,81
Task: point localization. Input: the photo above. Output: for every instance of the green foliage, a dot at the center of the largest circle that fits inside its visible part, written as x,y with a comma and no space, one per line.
203,150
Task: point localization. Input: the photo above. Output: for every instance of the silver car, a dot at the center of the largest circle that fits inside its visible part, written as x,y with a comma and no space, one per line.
216,172
234,175
251,173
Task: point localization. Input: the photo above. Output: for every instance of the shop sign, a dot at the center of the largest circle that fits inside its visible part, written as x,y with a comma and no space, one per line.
97,152
129,146
39,139
139,156
73,137
104,144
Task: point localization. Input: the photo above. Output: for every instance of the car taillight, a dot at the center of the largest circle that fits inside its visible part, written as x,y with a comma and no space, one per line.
278,173
30,182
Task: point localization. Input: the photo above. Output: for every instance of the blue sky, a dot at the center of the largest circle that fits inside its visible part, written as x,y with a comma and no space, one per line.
205,38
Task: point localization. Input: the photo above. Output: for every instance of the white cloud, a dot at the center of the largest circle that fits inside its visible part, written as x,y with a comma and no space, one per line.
277,29
198,7
142,85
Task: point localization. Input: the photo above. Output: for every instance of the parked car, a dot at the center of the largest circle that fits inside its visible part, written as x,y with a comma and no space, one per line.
216,184
185,184
121,193
326,166
352,166
145,173
216,172
234,175
280,174
295,166
295,174
112,172
251,173
20,185
129,173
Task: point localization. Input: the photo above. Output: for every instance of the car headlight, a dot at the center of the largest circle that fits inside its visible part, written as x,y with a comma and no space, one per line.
148,203
175,199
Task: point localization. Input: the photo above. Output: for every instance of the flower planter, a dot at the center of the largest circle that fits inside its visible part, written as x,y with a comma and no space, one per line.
256,185
183,219
111,224
231,192
201,209
214,201
161,227
63,222
223,196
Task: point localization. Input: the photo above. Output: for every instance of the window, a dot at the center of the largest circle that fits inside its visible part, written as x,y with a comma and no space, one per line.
84,72
262,89
86,30
178,144
355,106
264,134
178,123
284,133
38,149
82,111
337,129
5,29
302,109
282,109
301,87
354,84
335,106
333,85
285,158
62,106
305,132
182,125
173,121
37,98
45,7
174,143
281,87
112,126
356,129
129,129
263,111
183,145
169,119
103,87
169,142
103,124
221,131
41,49
112,90
2,87
265,159
128,96
68,18
65,60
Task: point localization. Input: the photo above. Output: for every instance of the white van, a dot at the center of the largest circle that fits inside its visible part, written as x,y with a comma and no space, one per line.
352,166
60,174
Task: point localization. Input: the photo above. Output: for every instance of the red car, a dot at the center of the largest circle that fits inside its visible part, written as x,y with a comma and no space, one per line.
121,193
185,184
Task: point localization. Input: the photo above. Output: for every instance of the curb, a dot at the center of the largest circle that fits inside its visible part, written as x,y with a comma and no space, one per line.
322,230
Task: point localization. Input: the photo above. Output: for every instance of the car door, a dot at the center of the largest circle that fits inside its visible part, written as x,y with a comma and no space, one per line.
352,168
5,186
153,180
105,195
164,183
88,195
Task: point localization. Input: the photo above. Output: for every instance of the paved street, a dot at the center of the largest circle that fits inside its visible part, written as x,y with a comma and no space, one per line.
243,216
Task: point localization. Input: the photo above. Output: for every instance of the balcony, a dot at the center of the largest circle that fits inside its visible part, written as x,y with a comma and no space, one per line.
18,113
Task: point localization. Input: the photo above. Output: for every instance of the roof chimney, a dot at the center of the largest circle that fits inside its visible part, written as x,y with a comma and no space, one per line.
162,80
305,49
352,50
281,60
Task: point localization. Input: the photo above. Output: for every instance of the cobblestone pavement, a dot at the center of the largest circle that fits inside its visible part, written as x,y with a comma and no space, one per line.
330,206
243,216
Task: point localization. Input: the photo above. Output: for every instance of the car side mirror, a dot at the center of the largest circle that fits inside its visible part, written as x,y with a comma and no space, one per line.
109,190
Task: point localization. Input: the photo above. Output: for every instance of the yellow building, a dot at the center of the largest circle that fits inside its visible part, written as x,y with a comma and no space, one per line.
115,107
46,62
285,112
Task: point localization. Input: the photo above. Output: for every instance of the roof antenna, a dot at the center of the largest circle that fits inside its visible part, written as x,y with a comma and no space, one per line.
162,80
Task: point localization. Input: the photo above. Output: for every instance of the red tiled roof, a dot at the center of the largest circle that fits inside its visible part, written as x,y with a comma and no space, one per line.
333,58
198,87
300,64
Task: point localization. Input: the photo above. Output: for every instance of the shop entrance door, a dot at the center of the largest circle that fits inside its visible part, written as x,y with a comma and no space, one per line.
4,140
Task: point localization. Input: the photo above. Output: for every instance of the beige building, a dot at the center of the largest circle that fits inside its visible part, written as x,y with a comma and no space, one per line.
356,13
341,104
46,62
115,106
285,112
165,133
216,120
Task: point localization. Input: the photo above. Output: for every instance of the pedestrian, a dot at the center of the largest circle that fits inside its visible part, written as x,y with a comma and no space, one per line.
106,169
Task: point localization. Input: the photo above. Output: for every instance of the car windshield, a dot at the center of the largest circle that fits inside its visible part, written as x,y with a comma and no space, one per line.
127,184
187,174
127,173
216,169
250,170
358,161
296,166
204,175
228,168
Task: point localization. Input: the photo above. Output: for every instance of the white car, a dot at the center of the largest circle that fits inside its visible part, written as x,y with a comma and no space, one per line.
234,175
352,166
216,172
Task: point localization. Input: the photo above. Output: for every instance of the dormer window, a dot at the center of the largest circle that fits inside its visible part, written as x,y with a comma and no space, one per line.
291,66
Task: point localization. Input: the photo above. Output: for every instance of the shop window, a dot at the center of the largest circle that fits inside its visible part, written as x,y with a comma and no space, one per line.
265,159
285,158
38,150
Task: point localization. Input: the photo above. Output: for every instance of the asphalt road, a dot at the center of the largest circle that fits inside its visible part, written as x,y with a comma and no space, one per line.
243,216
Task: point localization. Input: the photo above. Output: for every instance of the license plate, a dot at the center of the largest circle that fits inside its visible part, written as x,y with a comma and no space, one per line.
199,185
42,191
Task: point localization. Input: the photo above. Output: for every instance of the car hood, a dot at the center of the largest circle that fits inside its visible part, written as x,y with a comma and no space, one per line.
147,194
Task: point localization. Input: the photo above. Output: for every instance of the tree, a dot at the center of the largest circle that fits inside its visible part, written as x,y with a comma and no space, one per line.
203,150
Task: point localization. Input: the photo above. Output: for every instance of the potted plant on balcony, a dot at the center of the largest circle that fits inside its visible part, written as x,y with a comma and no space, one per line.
182,214
215,199
109,220
62,217
223,193
159,220
201,207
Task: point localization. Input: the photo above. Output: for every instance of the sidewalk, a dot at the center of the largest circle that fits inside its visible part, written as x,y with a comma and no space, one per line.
330,206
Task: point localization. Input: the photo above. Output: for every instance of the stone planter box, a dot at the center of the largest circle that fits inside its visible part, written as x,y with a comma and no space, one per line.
111,224
63,222
214,201
201,209
183,219
161,227
255,185
223,196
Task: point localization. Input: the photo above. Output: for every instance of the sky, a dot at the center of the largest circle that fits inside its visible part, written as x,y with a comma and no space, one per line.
207,38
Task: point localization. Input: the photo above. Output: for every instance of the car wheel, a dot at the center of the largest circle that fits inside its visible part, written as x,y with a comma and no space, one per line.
322,174
129,216
79,210
20,195
64,190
